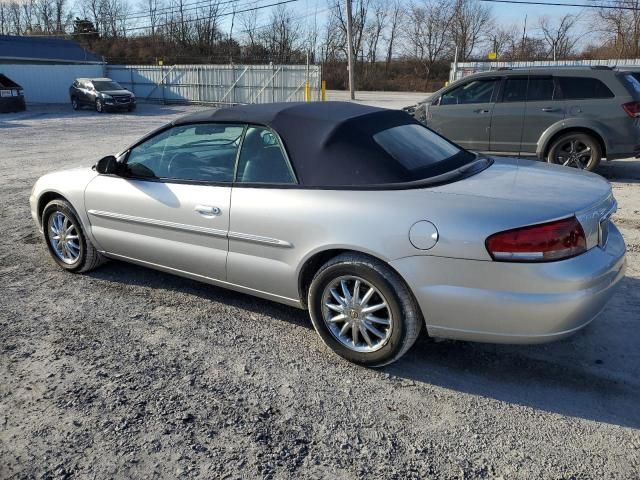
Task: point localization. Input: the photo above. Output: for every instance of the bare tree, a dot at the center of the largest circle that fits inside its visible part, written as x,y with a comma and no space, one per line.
374,29
620,27
249,24
283,36
471,19
396,16
427,32
559,35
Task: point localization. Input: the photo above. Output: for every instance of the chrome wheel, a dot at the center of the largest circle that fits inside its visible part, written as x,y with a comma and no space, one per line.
99,107
357,314
573,153
74,103
64,237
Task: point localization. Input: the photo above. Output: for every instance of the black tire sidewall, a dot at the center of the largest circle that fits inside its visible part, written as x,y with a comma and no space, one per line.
64,207
583,137
399,332
99,106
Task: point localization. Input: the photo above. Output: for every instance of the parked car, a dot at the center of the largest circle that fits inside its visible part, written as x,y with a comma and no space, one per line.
103,94
568,116
362,215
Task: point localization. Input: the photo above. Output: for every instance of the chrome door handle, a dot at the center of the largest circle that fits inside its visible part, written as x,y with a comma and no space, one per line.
207,210
550,109
481,110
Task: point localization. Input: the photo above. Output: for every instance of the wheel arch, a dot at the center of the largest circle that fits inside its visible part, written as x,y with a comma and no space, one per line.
313,263
47,197
553,136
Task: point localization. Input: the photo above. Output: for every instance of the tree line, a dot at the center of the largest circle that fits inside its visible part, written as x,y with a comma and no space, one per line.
398,44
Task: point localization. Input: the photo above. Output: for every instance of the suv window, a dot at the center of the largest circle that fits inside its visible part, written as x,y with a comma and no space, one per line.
476,91
540,89
574,88
204,152
515,89
262,159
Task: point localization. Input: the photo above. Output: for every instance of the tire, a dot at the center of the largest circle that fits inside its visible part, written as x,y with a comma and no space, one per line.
74,103
566,150
88,257
132,108
401,311
99,106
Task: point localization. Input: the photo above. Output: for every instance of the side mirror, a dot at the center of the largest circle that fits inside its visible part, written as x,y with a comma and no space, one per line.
107,165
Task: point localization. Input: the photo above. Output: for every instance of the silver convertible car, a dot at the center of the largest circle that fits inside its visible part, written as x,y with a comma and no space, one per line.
363,216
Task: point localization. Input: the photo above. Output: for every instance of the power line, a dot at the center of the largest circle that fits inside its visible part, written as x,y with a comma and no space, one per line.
529,2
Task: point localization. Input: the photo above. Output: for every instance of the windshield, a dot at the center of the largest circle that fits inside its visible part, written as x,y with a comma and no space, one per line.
104,85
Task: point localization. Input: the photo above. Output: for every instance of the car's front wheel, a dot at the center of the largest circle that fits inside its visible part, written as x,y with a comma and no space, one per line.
66,240
363,310
575,149
74,103
99,106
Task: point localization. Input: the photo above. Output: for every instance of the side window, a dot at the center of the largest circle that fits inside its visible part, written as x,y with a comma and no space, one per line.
262,159
574,88
541,89
476,91
204,152
515,90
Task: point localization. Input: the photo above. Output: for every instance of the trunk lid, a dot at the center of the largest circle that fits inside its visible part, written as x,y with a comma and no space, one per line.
539,190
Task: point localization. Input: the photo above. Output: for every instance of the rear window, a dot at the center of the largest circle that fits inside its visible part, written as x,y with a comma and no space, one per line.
574,88
421,152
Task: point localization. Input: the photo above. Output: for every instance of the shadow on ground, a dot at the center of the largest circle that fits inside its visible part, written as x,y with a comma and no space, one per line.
565,377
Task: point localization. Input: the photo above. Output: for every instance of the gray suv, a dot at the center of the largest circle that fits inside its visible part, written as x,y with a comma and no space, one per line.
569,116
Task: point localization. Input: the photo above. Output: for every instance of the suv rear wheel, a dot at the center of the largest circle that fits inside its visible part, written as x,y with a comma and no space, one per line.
74,103
577,150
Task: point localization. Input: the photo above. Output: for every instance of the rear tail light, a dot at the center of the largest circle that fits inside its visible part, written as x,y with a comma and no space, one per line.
632,109
539,243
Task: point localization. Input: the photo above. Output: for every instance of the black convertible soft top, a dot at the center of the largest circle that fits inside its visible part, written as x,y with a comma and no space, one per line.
328,143
331,144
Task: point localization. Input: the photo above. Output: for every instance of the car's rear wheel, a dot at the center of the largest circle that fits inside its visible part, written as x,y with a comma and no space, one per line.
99,106
66,241
74,103
577,150
363,310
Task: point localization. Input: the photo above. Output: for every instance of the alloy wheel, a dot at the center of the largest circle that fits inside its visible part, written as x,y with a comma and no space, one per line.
64,237
573,153
99,106
357,314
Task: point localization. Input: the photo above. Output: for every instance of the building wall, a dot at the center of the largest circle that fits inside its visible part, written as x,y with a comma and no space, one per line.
48,83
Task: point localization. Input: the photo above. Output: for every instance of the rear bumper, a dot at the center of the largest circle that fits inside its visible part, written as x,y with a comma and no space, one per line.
498,302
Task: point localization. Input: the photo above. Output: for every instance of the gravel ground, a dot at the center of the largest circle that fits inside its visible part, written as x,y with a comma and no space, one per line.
131,373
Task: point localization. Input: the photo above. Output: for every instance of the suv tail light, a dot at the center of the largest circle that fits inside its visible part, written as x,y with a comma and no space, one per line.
632,109
539,243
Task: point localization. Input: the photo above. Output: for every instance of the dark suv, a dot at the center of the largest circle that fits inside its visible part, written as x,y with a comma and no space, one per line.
103,94
569,116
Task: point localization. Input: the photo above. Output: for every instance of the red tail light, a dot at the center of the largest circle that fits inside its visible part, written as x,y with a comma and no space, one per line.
539,243
632,109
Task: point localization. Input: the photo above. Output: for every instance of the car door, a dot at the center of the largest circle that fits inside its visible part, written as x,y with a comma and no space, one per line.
170,207
463,114
260,243
507,118
86,96
544,107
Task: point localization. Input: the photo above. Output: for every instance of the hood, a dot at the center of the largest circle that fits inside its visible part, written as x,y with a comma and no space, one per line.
527,181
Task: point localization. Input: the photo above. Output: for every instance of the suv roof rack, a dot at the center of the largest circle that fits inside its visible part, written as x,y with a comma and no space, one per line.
602,67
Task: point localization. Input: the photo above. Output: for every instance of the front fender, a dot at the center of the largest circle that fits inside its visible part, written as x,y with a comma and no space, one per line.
601,129
69,184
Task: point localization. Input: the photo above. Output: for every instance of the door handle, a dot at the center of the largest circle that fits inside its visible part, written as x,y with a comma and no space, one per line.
207,210
550,109
481,110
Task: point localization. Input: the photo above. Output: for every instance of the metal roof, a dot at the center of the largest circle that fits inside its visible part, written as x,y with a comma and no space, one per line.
44,49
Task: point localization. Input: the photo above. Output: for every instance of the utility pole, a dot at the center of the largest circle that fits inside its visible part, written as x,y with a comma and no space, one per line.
352,78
